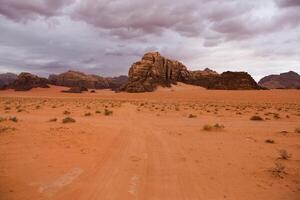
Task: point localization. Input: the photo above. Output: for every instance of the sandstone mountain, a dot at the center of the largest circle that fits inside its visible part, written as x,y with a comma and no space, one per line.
26,81
78,79
288,80
7,79
154,70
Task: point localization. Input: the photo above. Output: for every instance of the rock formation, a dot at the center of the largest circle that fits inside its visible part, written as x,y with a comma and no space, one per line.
288,80
78,79
27,81
7,79
154,70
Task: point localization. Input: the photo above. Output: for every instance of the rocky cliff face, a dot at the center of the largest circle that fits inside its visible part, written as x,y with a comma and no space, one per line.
154,70
78,79
288,80
7,79
27,81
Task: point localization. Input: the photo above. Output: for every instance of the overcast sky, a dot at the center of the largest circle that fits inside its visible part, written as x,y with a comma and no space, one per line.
106,36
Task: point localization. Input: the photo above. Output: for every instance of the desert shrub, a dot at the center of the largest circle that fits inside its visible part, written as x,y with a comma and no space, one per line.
97,111
278,170
68,120
283,154
269,141
53,120
297,130
7,108
256,118
108,112
93,91
192,116
66,112
88,114
13,119
216,127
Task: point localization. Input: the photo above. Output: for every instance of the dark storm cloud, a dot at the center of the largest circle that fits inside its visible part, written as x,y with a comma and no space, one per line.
288,3
106,36
23,10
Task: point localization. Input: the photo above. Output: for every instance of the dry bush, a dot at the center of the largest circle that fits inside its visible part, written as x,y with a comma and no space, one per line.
278,170
13,119
66,112
269,141
192,116
68,120
88,114
283,154
297,130
97,111
53,120
108,112
216,127
256,118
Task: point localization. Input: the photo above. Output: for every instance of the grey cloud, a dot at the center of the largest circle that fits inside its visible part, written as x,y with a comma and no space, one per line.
30,9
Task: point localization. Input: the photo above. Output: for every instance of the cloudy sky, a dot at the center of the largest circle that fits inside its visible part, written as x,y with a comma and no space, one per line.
106,36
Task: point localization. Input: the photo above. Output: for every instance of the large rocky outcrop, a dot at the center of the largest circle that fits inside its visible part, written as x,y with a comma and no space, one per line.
7,79
154,70
78,79
288,80
27,81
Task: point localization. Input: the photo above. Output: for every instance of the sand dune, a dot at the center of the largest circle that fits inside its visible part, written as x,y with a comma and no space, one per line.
152,146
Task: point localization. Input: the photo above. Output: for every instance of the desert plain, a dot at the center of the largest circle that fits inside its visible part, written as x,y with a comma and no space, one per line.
183,142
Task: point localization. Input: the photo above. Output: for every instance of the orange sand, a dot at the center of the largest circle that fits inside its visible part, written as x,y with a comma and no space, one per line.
149,148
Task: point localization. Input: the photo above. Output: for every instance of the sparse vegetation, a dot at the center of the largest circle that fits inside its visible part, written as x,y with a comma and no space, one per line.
216,127
283,154
269,141
53,120
88,114
13,119
97,111
278,170
256,118
192,116
68,120
66,112
108,112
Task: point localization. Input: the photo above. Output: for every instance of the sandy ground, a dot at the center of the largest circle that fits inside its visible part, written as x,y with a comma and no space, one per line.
152,146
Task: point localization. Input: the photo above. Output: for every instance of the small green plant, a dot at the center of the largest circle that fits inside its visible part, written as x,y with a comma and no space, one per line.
256,118
108,112
68,120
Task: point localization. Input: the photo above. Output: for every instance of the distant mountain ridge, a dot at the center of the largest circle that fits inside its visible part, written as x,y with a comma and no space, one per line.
288,80
6,79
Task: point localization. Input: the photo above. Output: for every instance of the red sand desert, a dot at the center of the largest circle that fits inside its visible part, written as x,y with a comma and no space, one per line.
157,146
